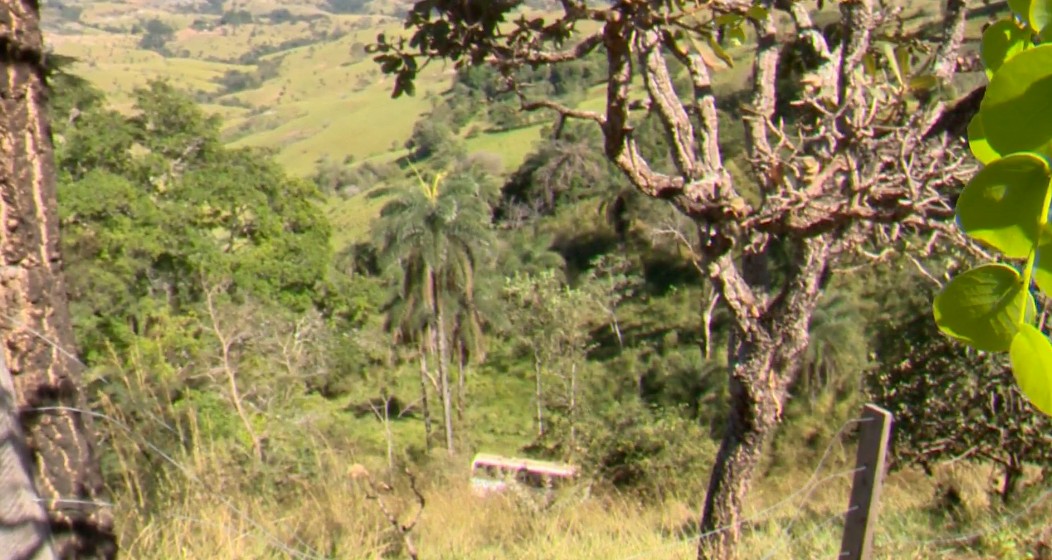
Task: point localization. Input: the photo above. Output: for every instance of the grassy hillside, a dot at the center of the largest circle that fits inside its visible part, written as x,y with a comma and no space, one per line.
315,92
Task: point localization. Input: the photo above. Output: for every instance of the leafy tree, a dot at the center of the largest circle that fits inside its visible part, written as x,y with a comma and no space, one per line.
612,281
434,140
236,18
347,6
951,402
838,346
48,437
815,188
551,323
561,170
156,36
432,237
167,210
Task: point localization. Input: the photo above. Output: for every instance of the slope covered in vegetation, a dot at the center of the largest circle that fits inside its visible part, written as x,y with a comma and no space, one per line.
281,279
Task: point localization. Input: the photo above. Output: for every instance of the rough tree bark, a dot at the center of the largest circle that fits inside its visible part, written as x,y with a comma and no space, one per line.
37,336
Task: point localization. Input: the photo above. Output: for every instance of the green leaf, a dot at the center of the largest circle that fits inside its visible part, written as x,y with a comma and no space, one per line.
1040,15
735,36
718,50
893,63
1002,204
756,13
728,19
869,62
1043,269
981,307
1001,41
977,141
1015,110
923,83
1020,7
902,58
1031,355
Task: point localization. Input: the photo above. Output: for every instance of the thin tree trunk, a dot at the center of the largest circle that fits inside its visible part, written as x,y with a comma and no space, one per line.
443,374
573,407
425,409
388,435
538,396
1013,471
708,308
226,342
461,381
37,336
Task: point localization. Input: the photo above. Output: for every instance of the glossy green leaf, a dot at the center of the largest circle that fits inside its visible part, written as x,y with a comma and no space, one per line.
1001,41
1040,15
977,141
1002,205
1031,355
981,307
1015,110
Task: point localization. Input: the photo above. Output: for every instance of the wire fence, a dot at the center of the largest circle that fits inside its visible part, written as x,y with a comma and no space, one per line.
797,509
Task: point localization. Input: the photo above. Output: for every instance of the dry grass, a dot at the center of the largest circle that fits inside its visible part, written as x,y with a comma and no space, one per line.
212,510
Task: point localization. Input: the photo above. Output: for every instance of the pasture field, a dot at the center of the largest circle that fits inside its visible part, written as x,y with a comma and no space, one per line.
320,95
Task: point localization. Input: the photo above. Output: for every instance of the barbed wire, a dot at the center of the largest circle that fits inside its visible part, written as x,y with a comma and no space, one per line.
825,455
814,530
272,539
806,490
920,544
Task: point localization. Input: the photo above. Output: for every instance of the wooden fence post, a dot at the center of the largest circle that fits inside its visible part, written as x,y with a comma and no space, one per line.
865,491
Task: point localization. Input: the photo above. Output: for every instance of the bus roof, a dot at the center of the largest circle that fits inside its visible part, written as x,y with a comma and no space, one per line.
532,465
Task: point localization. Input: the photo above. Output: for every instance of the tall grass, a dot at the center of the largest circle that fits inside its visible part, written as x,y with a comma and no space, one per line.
206,498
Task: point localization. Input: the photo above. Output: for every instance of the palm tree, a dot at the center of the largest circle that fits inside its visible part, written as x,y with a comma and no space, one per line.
434,235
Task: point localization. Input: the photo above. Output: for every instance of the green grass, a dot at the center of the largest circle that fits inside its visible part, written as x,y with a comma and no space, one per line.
327,99
352,217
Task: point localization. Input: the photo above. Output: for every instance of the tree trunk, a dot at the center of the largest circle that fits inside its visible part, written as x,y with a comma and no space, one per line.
37,336
1013,471
572,413
765,358
461,381
538,397
443,374
754,411
425,409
